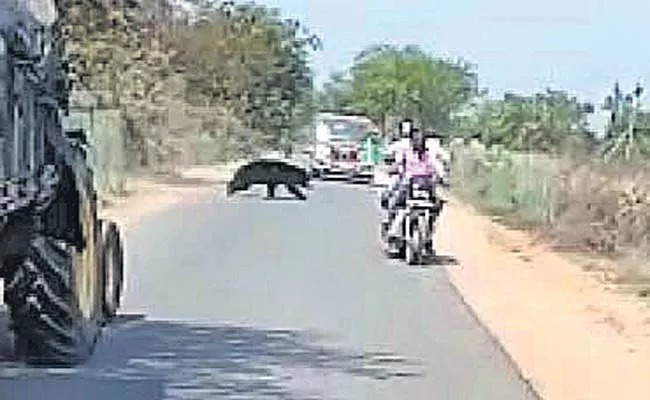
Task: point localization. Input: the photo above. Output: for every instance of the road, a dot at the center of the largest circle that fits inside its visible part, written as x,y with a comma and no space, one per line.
251,299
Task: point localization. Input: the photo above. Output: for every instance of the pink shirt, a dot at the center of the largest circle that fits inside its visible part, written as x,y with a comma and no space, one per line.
417,167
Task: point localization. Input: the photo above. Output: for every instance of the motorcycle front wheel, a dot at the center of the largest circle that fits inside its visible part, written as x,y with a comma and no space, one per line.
413,243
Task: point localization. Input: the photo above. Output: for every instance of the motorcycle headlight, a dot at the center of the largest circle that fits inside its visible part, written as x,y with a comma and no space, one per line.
420,194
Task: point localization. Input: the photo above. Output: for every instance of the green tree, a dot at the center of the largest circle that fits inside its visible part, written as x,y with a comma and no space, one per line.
336,94
546,121
241,61
123,49
248,58
388,82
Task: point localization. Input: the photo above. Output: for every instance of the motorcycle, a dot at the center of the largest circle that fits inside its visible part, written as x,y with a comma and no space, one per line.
418,227
415,244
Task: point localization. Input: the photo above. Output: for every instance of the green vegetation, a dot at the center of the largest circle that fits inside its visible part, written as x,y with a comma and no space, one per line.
521,186
532,159
546,122
544,169
387,83
235,79
229,82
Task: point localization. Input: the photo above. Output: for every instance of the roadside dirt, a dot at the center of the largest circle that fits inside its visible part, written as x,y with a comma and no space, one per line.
571,335
146,196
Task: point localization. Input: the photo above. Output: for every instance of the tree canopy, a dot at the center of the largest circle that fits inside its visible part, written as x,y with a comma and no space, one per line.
546,121
240,75
242,62
389,82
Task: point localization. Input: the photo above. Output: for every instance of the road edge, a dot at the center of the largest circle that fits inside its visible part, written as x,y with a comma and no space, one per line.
554,321
529,382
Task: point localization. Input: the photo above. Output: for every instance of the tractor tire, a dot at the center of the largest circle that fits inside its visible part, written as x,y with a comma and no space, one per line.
43,296
112,267
55,291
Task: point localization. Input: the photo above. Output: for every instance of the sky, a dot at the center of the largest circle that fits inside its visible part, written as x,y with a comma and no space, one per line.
578,45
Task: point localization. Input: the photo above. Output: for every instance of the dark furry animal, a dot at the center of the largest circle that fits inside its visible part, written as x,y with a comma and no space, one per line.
270,173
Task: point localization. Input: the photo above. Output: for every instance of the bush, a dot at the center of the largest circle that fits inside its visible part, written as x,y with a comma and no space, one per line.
581,203
508,184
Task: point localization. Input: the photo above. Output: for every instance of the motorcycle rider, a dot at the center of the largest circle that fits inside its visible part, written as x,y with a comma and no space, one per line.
397,148
441,158
401,146
417,164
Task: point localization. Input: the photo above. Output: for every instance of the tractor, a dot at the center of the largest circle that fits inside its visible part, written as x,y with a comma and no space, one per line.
61,266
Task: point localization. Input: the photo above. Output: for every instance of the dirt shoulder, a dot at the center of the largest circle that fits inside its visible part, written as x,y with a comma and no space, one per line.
148,195
570,334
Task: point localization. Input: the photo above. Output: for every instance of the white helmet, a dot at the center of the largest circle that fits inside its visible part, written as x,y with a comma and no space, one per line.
405,128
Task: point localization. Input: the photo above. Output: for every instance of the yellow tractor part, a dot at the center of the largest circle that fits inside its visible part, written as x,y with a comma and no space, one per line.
86,261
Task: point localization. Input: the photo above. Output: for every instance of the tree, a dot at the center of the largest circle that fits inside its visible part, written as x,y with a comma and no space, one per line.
246,57
388,82
546,121
243,61
123,49
336,94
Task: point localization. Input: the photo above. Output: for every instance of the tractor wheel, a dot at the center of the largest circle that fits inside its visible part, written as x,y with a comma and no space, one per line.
44,298
113,268
55,295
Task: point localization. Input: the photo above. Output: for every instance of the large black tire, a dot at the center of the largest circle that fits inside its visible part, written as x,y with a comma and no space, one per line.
55,289
43,298
113,268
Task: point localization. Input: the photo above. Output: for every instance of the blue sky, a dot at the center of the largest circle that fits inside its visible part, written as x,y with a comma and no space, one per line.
578,45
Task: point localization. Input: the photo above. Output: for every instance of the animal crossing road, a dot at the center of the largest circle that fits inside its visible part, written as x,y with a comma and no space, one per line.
247,298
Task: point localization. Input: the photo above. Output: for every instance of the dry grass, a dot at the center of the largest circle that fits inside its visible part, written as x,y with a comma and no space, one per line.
578,203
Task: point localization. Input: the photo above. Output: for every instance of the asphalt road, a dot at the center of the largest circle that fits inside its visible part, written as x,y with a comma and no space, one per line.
252,299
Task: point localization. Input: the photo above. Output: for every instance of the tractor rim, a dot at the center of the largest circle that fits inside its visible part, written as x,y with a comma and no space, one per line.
84,262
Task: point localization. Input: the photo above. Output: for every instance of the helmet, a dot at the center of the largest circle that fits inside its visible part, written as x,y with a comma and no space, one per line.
406,128
417,134
418,140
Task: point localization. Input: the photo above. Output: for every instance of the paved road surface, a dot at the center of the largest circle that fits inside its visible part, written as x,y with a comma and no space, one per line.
253,299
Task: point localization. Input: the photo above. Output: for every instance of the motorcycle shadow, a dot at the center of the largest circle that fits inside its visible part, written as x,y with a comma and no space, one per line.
440,260
283,198
435,260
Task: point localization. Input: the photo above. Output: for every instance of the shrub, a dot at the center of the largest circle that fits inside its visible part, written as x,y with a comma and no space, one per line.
579,202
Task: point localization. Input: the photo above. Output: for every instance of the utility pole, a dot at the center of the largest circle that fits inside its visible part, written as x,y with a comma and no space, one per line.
624,111
636,106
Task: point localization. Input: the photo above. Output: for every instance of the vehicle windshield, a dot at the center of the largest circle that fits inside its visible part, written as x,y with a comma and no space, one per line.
347,131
